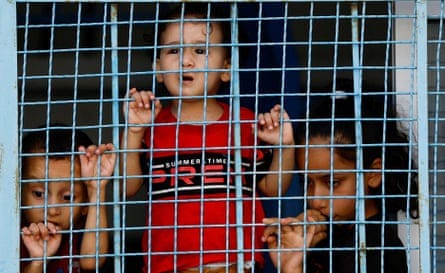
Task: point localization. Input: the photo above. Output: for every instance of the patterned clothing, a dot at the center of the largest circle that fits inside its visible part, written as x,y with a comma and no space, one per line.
192,213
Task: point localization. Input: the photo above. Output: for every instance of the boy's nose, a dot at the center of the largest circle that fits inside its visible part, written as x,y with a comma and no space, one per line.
187,58
53,208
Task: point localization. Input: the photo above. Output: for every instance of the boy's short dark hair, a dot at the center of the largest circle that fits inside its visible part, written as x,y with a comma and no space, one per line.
214,11
57,140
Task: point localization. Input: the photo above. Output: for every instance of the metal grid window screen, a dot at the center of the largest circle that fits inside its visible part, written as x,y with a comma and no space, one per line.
74,66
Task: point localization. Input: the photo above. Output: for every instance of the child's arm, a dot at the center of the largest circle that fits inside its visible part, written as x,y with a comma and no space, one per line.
270,131
33,238
96,195
137,112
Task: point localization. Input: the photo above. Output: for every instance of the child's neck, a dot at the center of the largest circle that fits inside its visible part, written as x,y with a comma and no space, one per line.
197,110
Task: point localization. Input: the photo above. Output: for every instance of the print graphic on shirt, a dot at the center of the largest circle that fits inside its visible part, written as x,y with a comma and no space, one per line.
196,173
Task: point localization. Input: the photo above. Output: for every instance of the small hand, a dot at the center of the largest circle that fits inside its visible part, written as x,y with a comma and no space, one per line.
36,234
138,110
269,127
89,158
320,228
287,238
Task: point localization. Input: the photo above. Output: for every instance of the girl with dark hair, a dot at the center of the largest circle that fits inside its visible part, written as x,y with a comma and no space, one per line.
327,156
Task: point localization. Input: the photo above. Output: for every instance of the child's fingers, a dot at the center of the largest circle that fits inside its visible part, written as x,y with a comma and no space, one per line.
26,231
101,149
43,231
289,220
279,113
81,149
266,121
131,92
158,105
87,152
136,101
285,115
110,146
146,99
142,99
269,234
270,230
314,214
33,229
318,236
275,114
310,235
91,150
269,221
52,228
318,231
276,108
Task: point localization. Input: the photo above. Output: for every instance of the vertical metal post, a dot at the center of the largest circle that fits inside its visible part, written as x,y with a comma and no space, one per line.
357,77
115,113
422,115
9,182
235,92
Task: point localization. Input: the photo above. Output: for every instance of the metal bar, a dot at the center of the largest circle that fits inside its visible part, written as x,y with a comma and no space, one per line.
115,113
357,75
235,97
422,114
9,189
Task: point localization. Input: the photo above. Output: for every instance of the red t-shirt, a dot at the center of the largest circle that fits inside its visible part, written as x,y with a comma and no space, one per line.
192,209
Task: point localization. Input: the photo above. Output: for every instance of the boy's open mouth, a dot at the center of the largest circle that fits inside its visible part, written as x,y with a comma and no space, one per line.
187,78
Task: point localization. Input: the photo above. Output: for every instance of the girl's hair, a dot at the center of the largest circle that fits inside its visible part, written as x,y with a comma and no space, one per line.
205,11
381,138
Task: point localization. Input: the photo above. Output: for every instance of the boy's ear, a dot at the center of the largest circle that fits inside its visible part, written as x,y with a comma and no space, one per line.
374,178
225,76
157,67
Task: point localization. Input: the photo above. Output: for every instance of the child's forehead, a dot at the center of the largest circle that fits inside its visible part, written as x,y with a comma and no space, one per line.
56,186
323,156
39,159
52,167
205,28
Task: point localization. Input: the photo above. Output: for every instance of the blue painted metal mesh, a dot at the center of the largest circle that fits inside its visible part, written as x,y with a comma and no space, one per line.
76,61
435,117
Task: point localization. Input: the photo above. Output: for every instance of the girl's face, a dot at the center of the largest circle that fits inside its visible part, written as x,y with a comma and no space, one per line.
58,198
196,59
324,182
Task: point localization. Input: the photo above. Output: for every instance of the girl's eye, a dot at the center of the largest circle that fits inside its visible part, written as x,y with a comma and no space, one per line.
334,183
67,197
38,194
200,51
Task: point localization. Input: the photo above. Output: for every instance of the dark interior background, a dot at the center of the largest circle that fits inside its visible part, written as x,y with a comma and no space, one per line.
65,69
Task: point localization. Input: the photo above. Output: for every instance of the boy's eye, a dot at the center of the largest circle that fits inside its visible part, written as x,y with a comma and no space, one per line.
172,51
38,194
